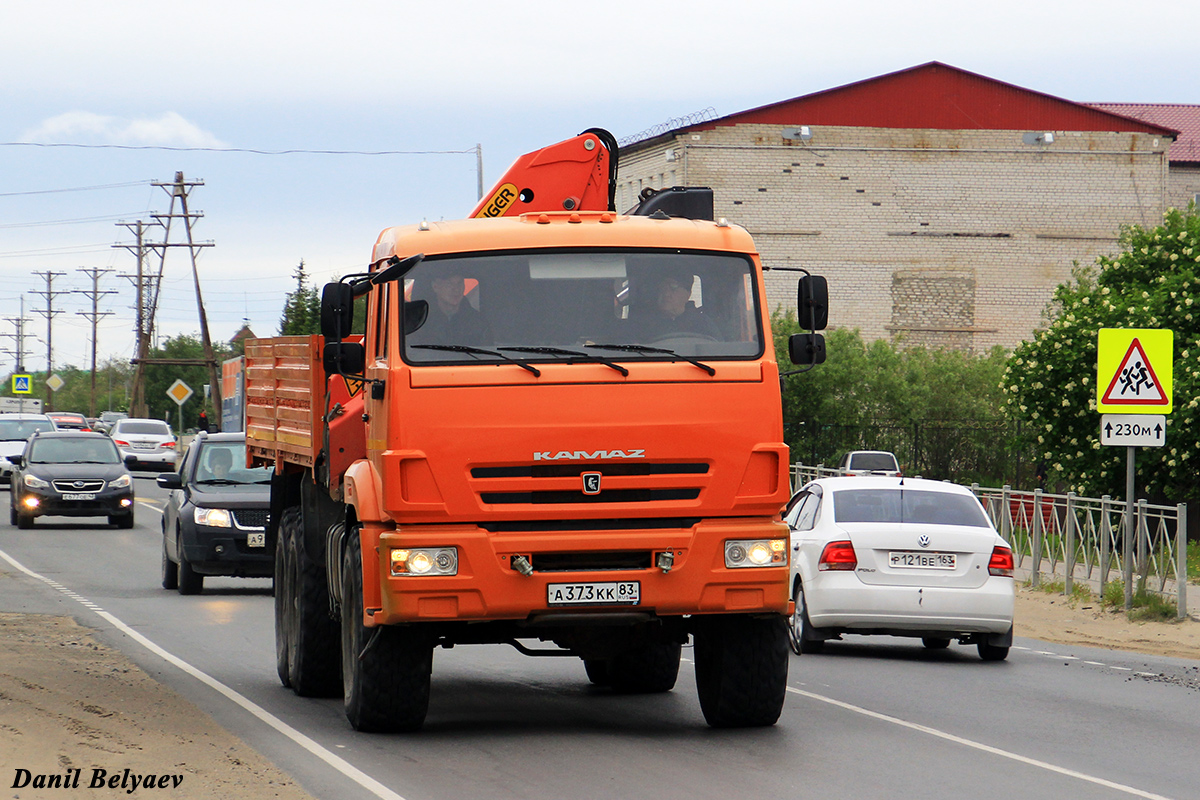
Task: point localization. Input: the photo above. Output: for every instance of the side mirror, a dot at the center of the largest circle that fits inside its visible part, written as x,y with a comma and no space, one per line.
170,480
806,349
130,461
337,311
344,358
17,461
415,314
812,303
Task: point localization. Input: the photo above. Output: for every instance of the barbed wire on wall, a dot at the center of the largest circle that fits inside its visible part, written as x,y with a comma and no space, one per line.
696,117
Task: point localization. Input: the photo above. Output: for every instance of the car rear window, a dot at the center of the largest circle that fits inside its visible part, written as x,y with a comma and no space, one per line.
907,505
871,461
15,430
159,428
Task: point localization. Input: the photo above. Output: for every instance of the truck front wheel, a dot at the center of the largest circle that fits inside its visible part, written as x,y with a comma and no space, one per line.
386,671
741,670
302,616
648,669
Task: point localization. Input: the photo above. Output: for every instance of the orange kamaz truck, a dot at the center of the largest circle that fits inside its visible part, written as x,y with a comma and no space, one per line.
551,426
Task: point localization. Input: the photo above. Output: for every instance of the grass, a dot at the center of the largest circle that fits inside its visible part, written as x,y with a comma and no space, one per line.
1079,591
1147,606
1193,562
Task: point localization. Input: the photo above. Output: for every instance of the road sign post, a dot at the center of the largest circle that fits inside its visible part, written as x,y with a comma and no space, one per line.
1134,375
179,392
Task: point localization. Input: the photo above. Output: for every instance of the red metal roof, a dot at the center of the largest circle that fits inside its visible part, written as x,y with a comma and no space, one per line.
1185,119
940,96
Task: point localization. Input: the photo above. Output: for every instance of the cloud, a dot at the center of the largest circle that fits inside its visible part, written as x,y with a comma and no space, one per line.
83,127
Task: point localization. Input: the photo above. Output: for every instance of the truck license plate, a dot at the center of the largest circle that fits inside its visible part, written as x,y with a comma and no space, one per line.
910,560
256,540
79,497
608,593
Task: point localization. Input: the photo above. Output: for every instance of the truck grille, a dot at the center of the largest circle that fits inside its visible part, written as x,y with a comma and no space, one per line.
612,496
590,562
649,490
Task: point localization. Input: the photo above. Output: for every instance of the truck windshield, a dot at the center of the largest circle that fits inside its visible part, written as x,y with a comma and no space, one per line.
556,306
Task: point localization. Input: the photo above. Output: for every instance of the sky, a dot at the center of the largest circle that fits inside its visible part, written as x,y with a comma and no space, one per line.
380,107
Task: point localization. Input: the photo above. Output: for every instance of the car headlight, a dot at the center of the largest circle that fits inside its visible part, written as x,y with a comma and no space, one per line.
755,553
34,482
213,517
425,561
123,482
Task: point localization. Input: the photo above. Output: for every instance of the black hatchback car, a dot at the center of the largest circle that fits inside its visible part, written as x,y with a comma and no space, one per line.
215,520
71,474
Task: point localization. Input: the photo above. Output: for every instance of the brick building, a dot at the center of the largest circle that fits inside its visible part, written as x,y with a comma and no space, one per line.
943,206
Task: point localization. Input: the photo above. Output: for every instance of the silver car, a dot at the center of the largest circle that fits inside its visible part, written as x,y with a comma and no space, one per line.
149,441
15,429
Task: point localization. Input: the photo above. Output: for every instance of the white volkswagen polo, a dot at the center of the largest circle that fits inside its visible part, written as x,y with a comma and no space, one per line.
898,557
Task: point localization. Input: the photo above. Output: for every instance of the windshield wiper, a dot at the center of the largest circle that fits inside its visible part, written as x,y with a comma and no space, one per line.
479,351
641,348
219,482
559,351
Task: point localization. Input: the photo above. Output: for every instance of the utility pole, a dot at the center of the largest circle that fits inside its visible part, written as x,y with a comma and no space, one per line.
94,315
179,190
48,312
146,288
19,341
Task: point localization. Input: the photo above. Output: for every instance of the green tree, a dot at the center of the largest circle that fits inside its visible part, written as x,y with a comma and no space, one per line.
160,377
302,308
1050,380
882,395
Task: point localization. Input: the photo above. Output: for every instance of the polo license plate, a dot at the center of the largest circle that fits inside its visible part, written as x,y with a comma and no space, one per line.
607,593
79,497
256,540
915,560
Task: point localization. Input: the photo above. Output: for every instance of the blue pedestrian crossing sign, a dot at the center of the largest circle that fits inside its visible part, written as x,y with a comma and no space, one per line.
22,384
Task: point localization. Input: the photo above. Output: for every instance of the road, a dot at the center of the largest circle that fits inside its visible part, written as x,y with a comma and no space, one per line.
869,718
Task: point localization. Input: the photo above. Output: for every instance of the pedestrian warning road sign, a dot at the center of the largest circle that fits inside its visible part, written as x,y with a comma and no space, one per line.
22,384
1134,370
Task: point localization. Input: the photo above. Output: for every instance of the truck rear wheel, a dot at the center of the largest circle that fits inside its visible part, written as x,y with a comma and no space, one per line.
386,671
310,633
649,669
741,670
283,601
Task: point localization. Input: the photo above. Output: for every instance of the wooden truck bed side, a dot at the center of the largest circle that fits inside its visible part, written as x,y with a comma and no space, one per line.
285,391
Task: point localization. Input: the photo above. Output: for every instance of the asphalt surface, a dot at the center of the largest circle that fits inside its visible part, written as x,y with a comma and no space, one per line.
869,718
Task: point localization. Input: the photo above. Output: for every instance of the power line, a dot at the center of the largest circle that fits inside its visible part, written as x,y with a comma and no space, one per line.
78,189
244,150
66,221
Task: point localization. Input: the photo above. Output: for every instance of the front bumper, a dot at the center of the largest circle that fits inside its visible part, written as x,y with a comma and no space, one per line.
487,587
839,600
226,551
49,503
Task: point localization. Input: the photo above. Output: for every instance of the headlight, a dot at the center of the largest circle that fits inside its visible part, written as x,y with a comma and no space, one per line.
34,482
755,553
425,561
213,517
122,482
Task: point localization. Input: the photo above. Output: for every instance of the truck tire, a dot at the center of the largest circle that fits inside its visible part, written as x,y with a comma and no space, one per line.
283,590
597,671
386,671
314,669
741,670
649,669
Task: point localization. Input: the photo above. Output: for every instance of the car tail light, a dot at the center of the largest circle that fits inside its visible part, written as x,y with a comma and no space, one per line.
838,556
120,443
1001,562
168,444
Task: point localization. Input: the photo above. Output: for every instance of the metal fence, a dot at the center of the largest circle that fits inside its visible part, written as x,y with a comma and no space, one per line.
1081,539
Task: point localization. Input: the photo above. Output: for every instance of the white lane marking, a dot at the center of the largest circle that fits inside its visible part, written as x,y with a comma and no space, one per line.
1096,663
1124,669
979,746
349,770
